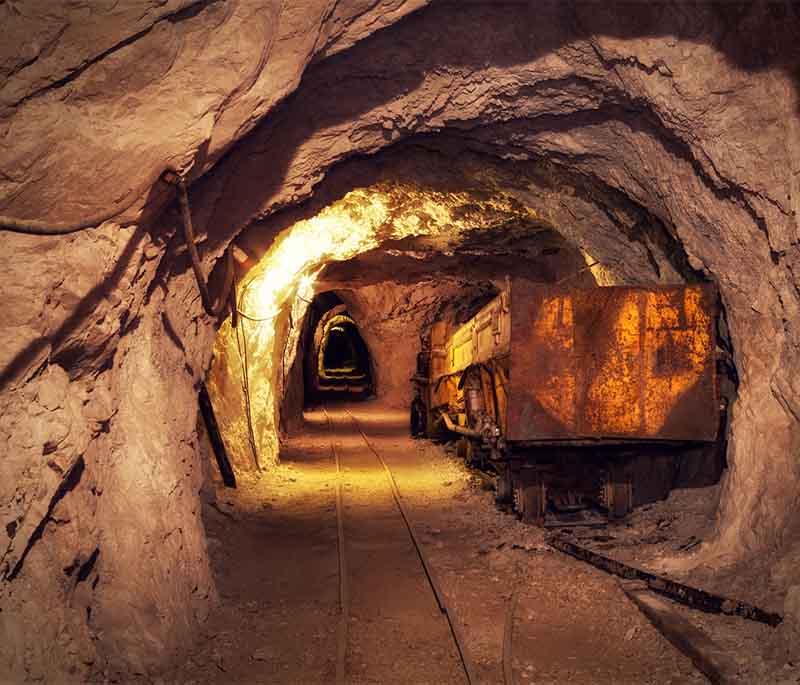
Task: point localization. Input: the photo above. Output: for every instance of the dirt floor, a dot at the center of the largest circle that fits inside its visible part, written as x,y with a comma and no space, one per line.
666,538
274,546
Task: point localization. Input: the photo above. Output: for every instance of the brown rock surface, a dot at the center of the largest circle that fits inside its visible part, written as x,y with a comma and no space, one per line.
680,120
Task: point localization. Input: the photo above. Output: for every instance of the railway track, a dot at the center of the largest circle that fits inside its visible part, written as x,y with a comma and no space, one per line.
343,635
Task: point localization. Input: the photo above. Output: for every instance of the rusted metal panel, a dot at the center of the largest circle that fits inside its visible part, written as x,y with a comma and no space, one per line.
619,362
483,339
485,336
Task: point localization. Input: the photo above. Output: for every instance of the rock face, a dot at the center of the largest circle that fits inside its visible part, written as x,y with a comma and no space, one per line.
392,317
661,139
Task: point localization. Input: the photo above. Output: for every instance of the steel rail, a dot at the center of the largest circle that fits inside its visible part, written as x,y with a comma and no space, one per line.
684,594
455,630
508,633
343,628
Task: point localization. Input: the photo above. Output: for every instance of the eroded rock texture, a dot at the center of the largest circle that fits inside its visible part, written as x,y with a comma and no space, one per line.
672,126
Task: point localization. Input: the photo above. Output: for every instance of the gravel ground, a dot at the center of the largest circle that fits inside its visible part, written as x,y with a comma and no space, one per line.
273,544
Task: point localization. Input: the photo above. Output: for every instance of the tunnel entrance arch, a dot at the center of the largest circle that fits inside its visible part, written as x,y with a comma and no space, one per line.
338,363
343,361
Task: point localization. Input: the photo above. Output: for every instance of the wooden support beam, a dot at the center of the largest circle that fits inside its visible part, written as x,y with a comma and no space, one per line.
707,656
685,594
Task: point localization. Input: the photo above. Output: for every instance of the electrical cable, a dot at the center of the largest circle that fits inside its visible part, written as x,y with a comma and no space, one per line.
266,318
250,317
255,319
240,344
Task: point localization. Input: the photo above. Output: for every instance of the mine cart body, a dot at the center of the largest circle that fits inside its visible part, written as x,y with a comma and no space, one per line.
577,373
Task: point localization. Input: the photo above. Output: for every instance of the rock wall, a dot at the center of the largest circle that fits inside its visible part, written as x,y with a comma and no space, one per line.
686,114
103,567
689,114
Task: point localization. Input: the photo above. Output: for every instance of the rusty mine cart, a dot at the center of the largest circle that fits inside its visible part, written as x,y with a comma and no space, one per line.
578,398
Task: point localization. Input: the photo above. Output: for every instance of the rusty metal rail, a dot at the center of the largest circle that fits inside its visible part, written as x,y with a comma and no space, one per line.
455,629
343,628
685,594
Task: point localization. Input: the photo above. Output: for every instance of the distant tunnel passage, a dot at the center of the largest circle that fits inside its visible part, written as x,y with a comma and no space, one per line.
341,361
343,354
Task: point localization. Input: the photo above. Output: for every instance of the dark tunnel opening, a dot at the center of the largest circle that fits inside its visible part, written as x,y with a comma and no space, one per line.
339,355
337,364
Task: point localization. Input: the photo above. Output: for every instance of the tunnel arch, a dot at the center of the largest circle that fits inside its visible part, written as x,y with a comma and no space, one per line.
345,372
600,133
689,113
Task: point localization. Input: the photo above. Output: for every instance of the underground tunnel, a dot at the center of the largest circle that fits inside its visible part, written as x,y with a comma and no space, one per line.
400,342
338,362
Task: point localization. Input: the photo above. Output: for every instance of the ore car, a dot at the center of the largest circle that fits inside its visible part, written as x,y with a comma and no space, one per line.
576,397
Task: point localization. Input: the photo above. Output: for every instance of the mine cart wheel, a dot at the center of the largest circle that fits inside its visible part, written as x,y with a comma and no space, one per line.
466,451
505,486
533,500
619,494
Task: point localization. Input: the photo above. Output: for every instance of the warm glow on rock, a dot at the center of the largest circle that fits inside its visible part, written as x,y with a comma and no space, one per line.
360,221
553,332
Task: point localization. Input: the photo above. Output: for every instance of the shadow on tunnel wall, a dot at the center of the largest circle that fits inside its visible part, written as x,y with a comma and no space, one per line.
752,37
67,349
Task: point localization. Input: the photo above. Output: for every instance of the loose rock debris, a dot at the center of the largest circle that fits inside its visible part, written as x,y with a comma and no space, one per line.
277,573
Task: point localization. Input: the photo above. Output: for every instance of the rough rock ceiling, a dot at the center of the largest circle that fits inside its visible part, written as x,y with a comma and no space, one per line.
686,115
497,211
136,87
513,250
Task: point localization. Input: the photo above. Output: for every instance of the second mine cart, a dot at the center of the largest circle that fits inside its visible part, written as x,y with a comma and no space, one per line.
558,389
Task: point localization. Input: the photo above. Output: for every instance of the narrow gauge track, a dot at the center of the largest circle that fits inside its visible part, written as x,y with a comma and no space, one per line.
344,588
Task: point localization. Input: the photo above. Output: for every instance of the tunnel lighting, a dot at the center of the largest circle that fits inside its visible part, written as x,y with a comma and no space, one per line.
305,288
337,233
306,282
360,221
240,255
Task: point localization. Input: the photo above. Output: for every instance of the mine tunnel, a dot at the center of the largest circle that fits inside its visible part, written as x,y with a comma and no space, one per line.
400,342
338,363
